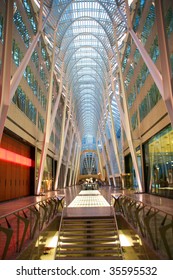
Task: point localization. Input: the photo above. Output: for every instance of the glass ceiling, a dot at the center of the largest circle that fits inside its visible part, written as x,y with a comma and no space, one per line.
85,43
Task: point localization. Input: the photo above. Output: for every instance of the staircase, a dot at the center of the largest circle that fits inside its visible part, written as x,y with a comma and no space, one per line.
88,238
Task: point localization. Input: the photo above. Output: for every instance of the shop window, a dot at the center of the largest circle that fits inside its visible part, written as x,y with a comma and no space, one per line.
24,104
159,163
1,27
169,21
131,98
35,59
35,87
150,19
40,123
143,108
150,100
134,121
30,16
171,60
126,55
154,96
21,28
154,50
136,56
52,137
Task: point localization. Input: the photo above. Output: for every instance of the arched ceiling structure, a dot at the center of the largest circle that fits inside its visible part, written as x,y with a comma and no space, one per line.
85,44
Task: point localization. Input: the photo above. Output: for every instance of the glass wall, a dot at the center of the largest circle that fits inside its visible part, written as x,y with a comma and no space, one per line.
47,181
158,152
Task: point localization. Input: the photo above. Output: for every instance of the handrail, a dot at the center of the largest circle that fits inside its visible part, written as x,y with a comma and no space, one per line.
26,206
121,251
153,221
10,223
60,225
143,203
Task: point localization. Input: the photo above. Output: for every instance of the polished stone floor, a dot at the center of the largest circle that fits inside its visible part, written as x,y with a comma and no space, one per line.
161,203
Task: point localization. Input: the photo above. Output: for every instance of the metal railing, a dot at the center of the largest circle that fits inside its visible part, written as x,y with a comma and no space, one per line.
19,228
57,250
152,224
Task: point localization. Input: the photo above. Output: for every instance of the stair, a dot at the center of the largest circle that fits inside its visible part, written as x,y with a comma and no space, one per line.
88,238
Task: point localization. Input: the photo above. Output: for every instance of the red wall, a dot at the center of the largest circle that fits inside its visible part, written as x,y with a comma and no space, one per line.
14,178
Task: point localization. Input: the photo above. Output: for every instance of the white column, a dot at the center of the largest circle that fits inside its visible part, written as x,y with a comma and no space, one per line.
48,131
72,164
105,160
126,120
100,162
69,154
77,166
58,97
61,148
109,157
113,135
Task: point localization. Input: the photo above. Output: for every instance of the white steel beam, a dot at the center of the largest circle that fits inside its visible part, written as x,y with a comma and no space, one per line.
104,156
72,163
100,162
127,123
48,131
77,167
58,97
69,154
109,157
61,148
75,164
113,135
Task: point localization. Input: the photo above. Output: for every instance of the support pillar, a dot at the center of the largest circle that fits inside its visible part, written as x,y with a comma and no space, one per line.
126,120
48,131
104,156
78,165
109,157
100,162
61,148
69,154
72,164
114,138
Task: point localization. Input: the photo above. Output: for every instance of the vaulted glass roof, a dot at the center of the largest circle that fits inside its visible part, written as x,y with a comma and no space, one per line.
86,47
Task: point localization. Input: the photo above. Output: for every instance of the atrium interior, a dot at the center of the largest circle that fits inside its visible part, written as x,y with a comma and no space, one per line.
86,129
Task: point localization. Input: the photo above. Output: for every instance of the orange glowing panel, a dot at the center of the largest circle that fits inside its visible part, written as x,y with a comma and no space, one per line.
15,158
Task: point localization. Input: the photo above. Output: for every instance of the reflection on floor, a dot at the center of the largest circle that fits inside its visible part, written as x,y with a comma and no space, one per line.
133,248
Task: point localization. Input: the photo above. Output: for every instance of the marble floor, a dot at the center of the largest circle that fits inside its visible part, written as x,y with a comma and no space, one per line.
161,203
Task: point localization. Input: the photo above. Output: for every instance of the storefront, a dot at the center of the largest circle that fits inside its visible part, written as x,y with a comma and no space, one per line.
47,180
158,154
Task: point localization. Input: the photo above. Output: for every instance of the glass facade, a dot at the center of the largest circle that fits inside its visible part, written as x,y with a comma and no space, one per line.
47,181
158,152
